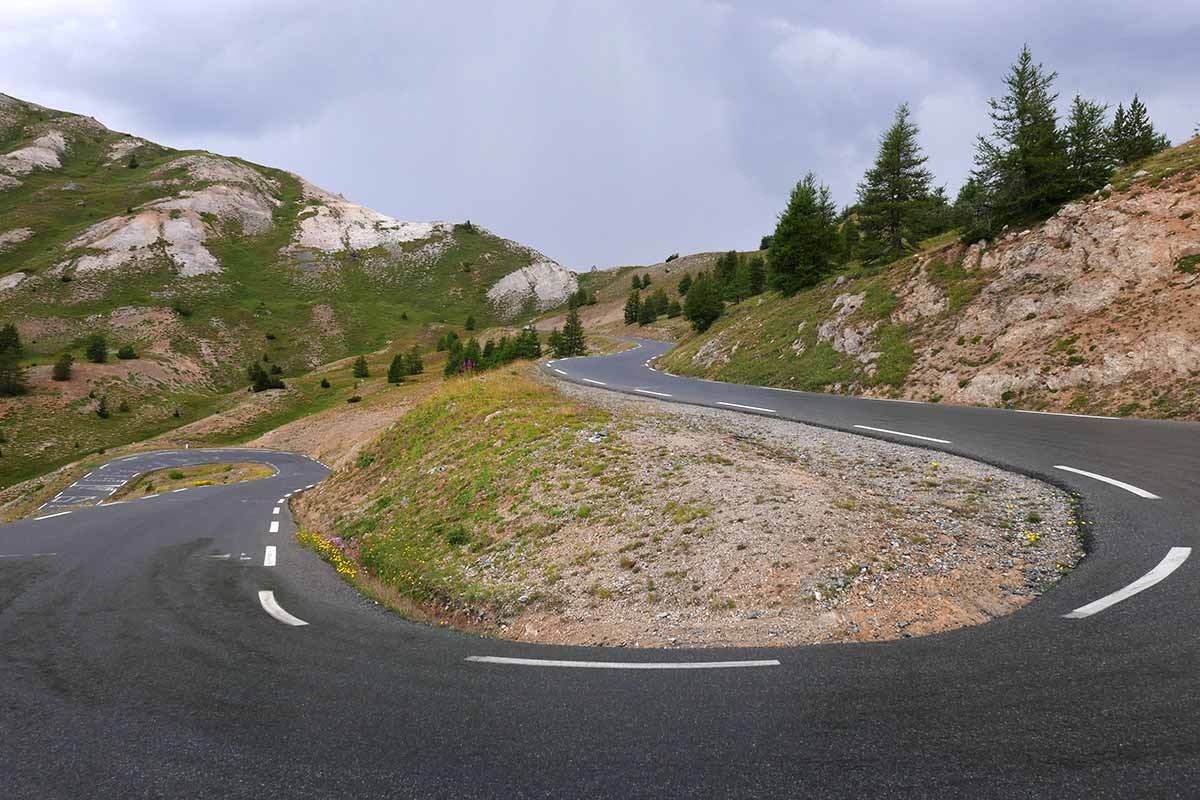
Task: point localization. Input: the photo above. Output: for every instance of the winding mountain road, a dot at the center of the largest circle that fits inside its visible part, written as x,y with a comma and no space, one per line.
185,646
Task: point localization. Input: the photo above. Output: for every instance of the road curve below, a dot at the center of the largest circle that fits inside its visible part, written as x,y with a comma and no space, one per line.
185,646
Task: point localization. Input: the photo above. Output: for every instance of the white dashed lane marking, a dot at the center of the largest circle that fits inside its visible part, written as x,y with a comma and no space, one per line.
598,383
546,662
1129,487
269,556
275,526
656,394
559,371
748,408
272,607
902,433
275,510
50,516
1171,562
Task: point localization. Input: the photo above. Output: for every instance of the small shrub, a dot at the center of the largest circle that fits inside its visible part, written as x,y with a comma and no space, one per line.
124,407
181,309
1188,265
127,352
354,399
671,258
102,408
457,536
364,460
97,348
61,371
175,475
325,383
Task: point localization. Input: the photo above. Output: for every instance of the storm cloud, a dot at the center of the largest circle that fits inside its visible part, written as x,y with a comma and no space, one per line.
600,133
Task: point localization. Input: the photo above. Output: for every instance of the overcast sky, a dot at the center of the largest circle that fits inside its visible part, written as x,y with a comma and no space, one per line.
601,133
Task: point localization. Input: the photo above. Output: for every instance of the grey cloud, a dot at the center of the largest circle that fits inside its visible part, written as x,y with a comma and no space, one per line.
601,133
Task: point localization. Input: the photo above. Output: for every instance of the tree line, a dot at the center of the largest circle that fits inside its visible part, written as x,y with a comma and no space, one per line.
1025,168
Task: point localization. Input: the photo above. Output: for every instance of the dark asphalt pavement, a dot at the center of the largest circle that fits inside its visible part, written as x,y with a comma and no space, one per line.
137,658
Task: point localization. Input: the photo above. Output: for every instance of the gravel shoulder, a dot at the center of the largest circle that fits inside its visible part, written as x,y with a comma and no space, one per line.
753,531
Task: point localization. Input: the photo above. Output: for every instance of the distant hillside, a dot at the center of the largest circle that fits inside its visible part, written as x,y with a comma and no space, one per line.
1093,311
204,263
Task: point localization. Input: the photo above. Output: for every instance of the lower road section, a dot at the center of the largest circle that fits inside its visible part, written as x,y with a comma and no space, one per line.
185,646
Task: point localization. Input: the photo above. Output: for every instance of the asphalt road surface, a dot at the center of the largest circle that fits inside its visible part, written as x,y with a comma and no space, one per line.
185,646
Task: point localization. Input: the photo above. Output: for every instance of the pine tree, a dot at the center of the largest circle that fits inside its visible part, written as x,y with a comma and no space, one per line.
674,309
893,190
61,371
647,313
360,368
97,348
703,305
635,283
851,240
1132,135
261,380
758,274
555,342
470,322
415,365
488,359
1021,171
12,374
472,355
685,283
658,301
805,240
573,340
633,305
1088,153
724,271
454,358
102,407
397,369
646,281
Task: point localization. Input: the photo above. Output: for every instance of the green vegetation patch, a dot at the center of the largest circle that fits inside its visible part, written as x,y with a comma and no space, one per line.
458,480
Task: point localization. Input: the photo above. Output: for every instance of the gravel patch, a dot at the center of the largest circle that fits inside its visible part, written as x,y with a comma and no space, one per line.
730,529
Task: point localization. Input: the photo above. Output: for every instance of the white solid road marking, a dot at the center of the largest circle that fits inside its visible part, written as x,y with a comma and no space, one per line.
267,599
269,556
559,371
48,516
656,394
1062,414
184,489
1174,557
1129,487
748,408
28,555
547,662
275,526
275,510
901,433
598,383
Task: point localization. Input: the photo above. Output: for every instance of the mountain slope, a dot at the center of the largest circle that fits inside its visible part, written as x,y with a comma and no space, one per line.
205,263
1093,311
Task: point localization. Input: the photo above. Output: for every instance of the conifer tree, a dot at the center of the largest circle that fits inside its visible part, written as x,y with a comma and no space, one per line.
703,305
646,281
633,305
97,348
415,365
647,313
102,407
685,283
1132,135
61,371
12,374
635,283
397,369
804,245
573,340
1088,152
674,309
360,368
472,355
1021,170
892,193
470,322
555,342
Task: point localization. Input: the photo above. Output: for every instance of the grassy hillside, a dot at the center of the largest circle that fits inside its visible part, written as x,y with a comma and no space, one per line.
202,263
1092,311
